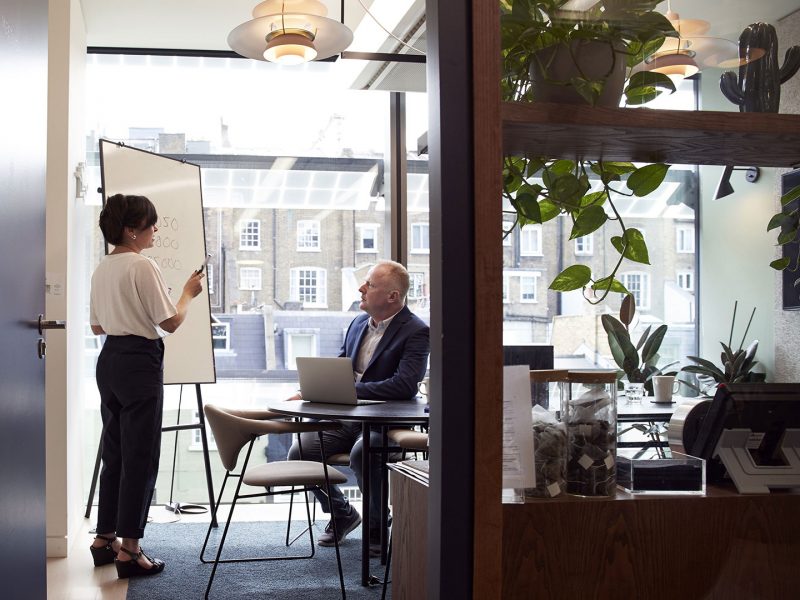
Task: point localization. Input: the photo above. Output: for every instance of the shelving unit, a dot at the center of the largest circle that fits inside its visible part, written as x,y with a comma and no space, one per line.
647,135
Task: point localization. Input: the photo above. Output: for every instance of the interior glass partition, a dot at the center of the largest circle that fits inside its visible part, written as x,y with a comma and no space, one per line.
291,164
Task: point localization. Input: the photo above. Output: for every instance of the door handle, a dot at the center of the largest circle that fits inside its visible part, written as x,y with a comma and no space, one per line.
41,349
43,324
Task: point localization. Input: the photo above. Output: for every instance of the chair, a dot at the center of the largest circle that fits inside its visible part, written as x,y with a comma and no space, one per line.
409,439
235,429
336,460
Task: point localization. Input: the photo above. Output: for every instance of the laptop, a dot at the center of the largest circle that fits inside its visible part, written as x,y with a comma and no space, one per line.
331,380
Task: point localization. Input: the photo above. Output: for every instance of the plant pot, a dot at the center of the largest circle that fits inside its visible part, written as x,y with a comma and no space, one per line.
553,68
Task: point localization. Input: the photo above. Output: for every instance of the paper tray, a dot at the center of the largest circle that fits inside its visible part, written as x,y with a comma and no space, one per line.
679,474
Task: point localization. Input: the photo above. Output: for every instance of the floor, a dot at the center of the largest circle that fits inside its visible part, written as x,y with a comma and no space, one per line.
76,578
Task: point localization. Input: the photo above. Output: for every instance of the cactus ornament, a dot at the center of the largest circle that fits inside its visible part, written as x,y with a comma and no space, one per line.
758,87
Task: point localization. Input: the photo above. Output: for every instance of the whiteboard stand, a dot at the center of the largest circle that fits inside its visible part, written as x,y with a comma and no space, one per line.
201,425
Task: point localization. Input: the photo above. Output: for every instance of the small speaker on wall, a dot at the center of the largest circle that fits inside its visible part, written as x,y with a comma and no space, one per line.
791,279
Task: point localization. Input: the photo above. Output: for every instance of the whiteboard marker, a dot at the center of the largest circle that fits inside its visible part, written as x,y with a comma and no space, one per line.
203,266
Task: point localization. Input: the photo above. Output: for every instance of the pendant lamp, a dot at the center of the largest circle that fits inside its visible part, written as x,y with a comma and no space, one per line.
290,32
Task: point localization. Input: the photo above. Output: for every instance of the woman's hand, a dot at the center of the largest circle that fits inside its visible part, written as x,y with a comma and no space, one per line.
194,285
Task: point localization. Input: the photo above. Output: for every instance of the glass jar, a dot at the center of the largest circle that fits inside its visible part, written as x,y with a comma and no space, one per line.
590,415
548,389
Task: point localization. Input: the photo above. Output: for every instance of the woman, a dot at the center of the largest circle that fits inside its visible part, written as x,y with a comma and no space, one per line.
130,304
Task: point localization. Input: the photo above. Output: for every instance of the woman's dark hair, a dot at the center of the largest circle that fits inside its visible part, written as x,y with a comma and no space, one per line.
121,211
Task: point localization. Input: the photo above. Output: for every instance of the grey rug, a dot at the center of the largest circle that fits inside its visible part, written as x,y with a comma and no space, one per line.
178,544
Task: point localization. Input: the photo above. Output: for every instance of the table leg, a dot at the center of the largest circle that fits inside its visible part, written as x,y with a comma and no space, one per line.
365,462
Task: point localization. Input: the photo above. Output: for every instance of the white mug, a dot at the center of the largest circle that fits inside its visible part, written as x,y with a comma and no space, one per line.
663,388
422,386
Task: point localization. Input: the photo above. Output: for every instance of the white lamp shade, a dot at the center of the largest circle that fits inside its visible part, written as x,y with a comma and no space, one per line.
290,49
676,66
276,7
249,39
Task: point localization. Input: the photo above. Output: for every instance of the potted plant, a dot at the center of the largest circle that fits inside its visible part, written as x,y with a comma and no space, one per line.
556,54
541,188
737,366
638,362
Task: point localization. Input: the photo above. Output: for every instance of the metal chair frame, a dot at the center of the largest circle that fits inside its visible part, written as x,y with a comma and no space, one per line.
238,495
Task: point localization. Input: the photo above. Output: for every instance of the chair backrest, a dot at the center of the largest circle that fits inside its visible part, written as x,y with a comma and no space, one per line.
231,433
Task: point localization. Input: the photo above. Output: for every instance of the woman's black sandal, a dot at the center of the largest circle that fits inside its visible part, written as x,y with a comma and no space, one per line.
132,568
103,555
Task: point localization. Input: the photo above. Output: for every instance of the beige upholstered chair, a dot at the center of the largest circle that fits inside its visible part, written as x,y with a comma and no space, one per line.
235,429
409,439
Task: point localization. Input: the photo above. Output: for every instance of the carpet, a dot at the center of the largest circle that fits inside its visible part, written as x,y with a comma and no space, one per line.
178,544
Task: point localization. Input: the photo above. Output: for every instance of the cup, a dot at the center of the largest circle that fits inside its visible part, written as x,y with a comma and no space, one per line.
663,388
634,392
422,386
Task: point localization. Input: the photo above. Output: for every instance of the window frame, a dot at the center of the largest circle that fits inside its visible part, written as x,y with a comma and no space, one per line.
362,228
643,302
308,231
588,241
251,269
684,239
294,286
685,274
524,234
245,234
425,248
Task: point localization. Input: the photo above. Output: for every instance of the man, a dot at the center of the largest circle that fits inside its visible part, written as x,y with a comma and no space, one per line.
389,347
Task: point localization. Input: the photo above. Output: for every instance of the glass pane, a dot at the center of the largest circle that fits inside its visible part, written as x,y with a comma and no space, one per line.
288,177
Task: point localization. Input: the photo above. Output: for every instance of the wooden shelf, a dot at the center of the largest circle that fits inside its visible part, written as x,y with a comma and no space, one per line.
648,135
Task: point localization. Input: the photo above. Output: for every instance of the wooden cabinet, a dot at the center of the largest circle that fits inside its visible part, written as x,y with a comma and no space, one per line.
723,545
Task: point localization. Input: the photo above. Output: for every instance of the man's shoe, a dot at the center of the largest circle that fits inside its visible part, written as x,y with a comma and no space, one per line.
344,525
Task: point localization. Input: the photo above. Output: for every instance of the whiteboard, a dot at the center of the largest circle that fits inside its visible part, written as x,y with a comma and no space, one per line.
174,188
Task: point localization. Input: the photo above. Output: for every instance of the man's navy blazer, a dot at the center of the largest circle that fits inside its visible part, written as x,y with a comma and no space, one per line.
399,361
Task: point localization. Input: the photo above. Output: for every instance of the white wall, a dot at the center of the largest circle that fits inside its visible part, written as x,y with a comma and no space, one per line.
65,296
735,252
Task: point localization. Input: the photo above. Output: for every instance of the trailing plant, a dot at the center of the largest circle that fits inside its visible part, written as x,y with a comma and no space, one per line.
631,27
540,189
637,363
788,223
737,365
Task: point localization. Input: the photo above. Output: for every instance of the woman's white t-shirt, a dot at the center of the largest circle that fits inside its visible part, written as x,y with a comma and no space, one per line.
129,296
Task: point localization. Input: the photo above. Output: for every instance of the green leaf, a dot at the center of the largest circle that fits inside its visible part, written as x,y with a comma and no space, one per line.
636,248
780,264
595,198
706,364
589,219
641,95
652,345
572,278
627,310
603,284
776,221
626,356
526,203
790,196
589,89
651,79
787,236
643,339
548,210
567,190
534,166
646,179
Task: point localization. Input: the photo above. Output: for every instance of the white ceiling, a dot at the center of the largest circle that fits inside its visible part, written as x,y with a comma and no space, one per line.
204,24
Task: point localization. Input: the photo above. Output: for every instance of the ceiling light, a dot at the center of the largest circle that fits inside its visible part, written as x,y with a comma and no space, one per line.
677,66
290,32
693,48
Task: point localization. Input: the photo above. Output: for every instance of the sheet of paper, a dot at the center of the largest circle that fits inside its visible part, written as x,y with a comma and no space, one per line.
518,467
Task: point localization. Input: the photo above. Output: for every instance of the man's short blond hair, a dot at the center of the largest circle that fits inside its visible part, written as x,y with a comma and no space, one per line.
399,275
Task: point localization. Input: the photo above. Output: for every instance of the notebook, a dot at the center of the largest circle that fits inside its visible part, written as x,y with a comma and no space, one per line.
330,380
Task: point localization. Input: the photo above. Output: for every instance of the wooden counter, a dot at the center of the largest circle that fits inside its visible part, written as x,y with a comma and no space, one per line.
723,545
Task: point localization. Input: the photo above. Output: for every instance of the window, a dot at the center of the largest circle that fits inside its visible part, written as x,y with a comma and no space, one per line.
584,245
367,237
684,239
527,288
419,238
197,440
221,336
299,342
210,278
308,236
250,235
638,284
416,288
506,289
686,280
530,240
249,278
309,286
508,239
